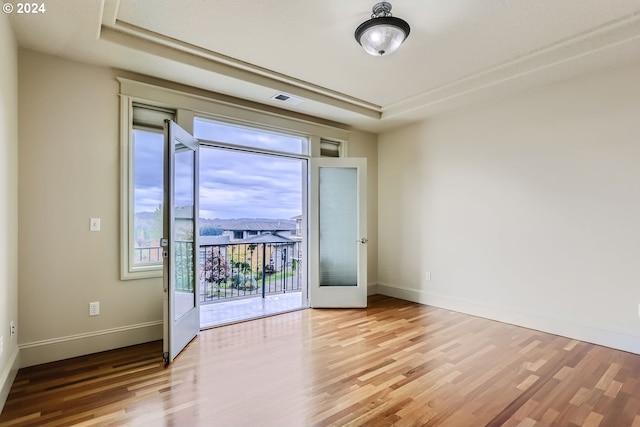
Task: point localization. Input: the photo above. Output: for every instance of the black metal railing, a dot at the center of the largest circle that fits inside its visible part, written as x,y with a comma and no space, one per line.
234,270
237,270
147,255
183,266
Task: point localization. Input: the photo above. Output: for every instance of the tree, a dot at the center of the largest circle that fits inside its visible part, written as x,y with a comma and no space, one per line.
209,230
156,229
216,268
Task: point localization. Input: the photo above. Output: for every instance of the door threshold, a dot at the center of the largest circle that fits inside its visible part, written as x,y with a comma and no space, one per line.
248,319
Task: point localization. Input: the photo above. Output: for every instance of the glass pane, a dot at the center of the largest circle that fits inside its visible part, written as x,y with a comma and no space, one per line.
338,227
247,137
148,155
184,231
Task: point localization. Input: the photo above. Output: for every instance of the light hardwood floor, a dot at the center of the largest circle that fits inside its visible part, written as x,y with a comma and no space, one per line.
395,363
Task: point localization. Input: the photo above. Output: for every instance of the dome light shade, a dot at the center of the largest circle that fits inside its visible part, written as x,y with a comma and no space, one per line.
382,34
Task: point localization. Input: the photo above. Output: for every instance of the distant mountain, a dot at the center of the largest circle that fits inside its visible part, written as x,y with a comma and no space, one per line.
145,215
257,224
146,224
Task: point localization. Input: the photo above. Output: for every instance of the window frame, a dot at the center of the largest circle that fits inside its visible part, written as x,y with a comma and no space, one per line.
189,106
128,268
305,144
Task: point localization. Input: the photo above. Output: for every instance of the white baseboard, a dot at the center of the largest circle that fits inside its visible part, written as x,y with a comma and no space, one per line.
8,375
51,350
596,334
372,289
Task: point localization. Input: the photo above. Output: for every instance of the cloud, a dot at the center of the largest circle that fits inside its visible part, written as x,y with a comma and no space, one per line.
238,135
245,185
148,162
147,199
148,152
233,184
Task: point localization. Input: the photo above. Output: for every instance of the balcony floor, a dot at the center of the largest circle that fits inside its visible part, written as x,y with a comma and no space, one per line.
224,313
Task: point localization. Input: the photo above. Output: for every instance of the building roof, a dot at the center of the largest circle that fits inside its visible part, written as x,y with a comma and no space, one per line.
213,240
255,224
266,238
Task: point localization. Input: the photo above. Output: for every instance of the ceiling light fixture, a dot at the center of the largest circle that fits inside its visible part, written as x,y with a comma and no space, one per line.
382,34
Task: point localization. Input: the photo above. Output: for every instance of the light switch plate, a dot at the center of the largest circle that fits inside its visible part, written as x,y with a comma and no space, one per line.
95,224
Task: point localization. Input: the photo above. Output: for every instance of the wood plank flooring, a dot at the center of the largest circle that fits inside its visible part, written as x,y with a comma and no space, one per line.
393,364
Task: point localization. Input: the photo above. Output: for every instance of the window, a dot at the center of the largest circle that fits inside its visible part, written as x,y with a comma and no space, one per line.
142,151
148,164
145,218
249,137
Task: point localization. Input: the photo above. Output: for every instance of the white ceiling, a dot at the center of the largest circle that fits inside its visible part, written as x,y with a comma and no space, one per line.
459,52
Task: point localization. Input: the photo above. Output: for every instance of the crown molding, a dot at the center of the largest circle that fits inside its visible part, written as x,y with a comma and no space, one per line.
582,52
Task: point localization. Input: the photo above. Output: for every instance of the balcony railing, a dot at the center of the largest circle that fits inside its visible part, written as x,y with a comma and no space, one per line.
237,270
147,255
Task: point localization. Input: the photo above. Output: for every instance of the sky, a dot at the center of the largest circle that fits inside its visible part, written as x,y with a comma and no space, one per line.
233,184
243,185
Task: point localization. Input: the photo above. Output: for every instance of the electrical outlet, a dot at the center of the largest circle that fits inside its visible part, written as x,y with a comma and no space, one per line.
94,308
12,329
428,275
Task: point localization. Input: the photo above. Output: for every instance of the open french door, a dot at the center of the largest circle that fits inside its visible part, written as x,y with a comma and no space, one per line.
338,233
181,299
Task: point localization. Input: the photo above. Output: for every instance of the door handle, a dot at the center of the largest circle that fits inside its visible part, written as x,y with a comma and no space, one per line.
164,243
362,240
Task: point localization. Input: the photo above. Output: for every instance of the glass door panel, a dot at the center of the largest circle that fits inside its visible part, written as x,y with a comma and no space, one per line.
338,233
338,226
181,308
184,221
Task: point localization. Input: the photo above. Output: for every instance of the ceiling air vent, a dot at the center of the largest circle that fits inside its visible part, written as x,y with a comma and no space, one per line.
288,99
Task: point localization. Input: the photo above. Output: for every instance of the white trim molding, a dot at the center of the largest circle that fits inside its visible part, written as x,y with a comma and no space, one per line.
225,109
129,35
596,334
50,350
8,375
372,289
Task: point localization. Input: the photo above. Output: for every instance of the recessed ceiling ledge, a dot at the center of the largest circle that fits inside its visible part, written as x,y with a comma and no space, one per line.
610,36
140,39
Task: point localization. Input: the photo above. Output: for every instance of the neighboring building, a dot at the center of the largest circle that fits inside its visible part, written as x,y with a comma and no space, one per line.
277,238
280,250
242,228
298,220
209,241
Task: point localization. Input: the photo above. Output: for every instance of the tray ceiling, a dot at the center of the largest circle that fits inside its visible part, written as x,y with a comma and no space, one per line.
459,52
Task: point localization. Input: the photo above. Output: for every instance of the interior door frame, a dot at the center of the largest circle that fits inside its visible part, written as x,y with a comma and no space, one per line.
337,296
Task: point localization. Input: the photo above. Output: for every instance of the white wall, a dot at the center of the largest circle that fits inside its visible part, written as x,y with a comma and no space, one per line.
365,144
69,172
526,210
9,361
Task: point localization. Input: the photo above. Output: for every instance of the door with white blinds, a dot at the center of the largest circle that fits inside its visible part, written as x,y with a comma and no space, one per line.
338,266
